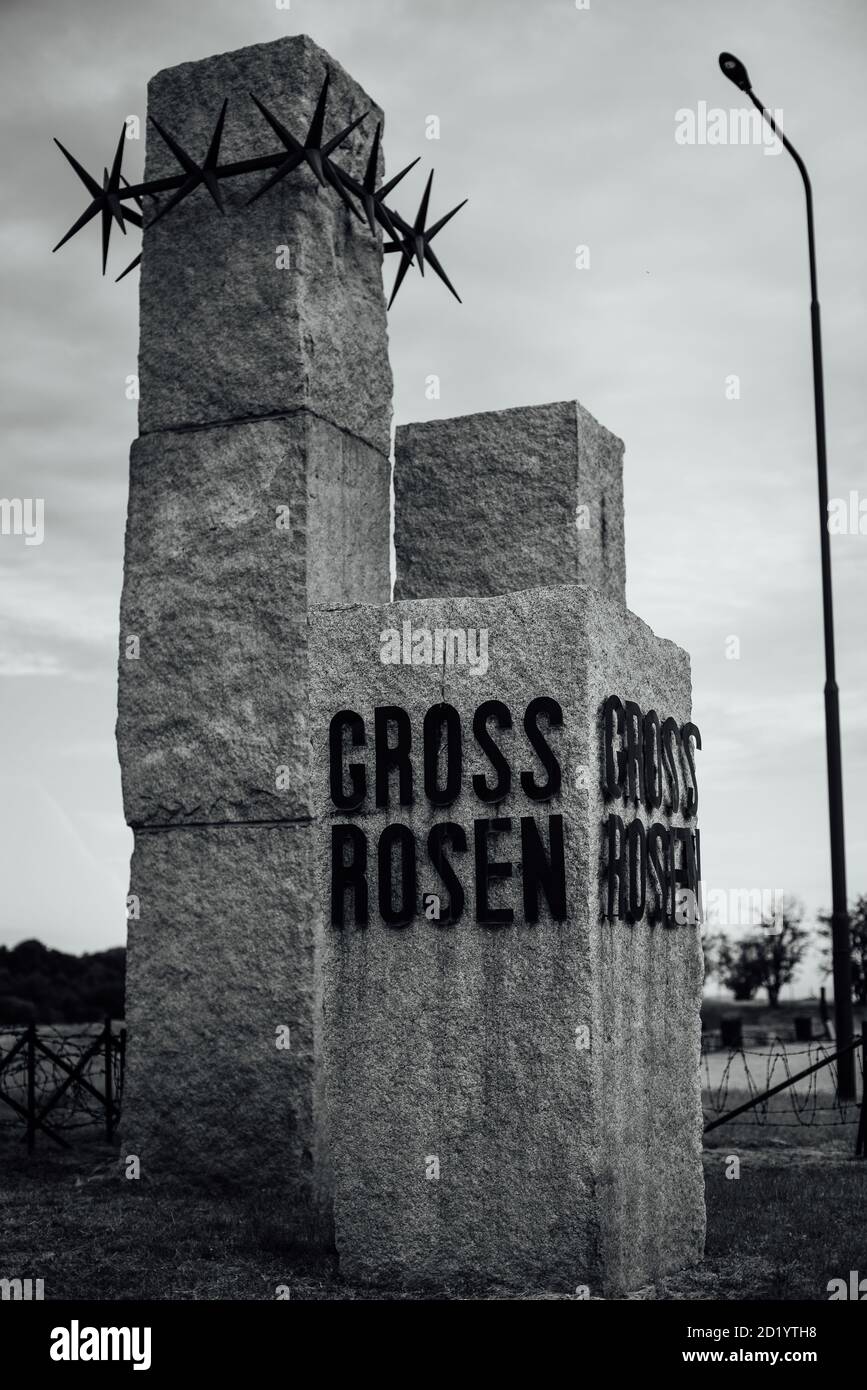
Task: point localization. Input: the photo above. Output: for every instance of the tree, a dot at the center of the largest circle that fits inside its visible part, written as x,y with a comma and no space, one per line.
54,987
739,968
781,945
768,958
858,937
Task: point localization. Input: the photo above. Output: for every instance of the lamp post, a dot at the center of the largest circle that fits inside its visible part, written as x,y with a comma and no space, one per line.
735,71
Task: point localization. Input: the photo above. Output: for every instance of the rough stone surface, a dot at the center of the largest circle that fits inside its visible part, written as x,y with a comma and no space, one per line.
225,333
558,1167
223,954
648,985
488,503
217,595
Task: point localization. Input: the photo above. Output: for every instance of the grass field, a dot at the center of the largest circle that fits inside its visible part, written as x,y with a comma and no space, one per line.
793,1220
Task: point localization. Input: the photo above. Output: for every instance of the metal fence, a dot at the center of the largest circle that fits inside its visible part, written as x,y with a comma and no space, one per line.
58,1078
805,1078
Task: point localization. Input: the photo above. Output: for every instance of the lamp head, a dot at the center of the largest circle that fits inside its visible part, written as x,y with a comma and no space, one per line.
735,71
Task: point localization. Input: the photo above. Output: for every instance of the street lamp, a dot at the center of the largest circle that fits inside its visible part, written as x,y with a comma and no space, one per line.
735,71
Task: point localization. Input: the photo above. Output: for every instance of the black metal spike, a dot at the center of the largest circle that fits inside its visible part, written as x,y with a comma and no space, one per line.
312,151
136,199
80,222
134,217
373,198
339,181
438,270
106,216
114,177
209,168
314,159
132,265
404,266
421,215
402,234
392,183
438,226
214,148
370,199
112,183
291,162
186,161
89,182
277,126
295,148
403,227
196,173
317,125
384,218
331,145
418,225
112,208
415,242
104,200
372,169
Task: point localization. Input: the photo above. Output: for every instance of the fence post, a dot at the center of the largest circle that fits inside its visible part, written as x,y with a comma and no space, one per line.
861,1141
109,1118
31,1087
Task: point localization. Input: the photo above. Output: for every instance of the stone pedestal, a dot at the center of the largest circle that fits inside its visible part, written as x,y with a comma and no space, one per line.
512,1097
259,485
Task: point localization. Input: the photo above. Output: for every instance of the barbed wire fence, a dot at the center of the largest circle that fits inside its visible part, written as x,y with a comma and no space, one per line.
59,1079
56,1078
803,1079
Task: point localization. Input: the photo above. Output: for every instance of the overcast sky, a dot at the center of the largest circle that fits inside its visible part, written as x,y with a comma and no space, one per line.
559,126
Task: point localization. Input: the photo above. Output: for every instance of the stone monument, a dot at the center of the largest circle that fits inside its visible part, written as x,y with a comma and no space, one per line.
415,892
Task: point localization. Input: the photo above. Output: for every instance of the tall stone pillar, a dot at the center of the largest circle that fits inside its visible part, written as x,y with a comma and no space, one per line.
259,485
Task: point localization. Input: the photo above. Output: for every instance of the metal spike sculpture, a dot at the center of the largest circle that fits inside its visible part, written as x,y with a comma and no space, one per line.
196,174
312,151
415,243
369,196
411,241
105,200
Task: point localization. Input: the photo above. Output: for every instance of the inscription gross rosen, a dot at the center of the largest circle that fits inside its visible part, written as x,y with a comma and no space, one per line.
644,769
640,762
